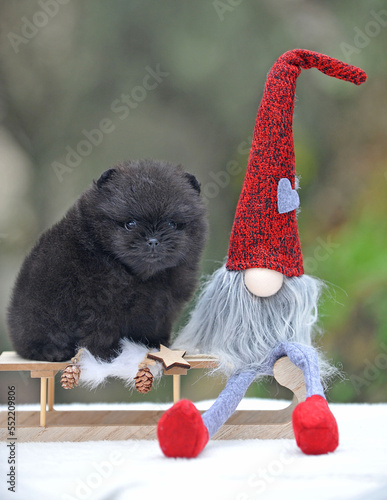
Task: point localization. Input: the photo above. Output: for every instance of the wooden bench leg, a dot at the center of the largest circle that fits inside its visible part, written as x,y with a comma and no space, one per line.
46,376
176,371
176,388
51,393
43,401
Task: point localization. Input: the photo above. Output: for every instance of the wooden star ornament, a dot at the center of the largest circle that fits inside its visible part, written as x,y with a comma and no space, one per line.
170,357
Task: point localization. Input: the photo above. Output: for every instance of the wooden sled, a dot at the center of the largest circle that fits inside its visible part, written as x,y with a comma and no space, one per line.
49,424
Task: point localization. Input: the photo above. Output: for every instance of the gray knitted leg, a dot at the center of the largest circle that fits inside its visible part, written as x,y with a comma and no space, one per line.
227,401
305,358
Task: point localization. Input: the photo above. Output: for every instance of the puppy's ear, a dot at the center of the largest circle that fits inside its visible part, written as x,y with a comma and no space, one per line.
193,181
105,177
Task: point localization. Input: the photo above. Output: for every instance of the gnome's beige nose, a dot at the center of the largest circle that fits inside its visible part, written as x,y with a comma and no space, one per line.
263,282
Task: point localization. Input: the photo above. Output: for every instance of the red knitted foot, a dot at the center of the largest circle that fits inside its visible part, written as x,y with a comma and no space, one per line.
181,431
315,427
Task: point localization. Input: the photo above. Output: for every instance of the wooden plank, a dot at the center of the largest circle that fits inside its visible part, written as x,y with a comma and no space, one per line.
43,373
202,361
87,418
134,417
10,361
175,370
262,417
82,434
247,431
129,424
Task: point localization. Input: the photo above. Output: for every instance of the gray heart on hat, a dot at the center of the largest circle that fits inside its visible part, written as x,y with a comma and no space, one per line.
287,198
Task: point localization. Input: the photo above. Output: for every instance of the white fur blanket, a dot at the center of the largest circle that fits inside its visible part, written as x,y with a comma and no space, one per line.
95,371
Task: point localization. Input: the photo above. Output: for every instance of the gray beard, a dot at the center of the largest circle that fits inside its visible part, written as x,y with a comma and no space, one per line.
242,329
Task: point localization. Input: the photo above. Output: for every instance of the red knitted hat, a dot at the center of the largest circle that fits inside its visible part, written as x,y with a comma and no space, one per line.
265,233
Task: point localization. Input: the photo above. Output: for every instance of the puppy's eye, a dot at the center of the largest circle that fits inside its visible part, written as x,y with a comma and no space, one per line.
176,225
130,224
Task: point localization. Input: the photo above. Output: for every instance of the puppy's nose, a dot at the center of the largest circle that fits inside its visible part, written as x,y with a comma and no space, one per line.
153,242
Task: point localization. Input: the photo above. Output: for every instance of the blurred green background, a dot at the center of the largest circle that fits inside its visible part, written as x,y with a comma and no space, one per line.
69,67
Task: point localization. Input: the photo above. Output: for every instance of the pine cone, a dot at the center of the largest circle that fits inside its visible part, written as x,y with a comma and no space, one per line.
70,376
144,380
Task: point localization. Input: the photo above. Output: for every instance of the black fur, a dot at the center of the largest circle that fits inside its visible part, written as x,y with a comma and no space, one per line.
120,264
193,181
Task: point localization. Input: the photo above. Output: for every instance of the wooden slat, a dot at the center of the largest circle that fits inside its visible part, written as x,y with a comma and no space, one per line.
10,361
131,424
42,373
202,361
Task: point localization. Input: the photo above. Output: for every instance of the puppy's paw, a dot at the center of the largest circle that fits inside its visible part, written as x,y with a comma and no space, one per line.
315,427
181,431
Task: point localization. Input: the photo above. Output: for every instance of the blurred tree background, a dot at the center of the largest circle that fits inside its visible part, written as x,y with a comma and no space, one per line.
182,81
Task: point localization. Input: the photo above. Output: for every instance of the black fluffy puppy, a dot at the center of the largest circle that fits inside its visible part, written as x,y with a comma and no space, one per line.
120,264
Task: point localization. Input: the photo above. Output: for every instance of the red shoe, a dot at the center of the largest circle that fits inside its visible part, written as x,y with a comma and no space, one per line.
181,431
315,427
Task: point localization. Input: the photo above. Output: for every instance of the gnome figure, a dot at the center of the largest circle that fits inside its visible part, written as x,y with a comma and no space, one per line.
261,306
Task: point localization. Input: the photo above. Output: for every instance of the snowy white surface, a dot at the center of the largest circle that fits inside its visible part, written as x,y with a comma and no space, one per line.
225,470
